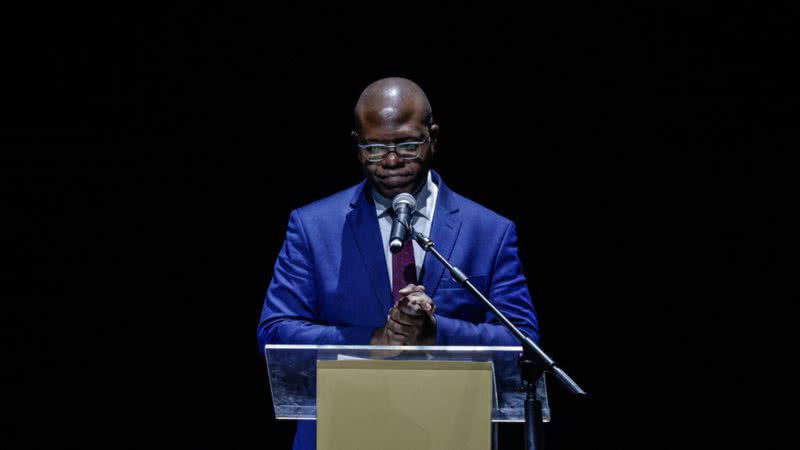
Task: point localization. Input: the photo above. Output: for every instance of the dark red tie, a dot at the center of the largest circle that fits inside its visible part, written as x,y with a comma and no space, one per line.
404,272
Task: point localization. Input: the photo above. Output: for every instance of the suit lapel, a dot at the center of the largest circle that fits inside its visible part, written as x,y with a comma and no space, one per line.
444,233
363,223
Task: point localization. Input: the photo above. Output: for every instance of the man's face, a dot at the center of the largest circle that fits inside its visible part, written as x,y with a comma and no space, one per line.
393,174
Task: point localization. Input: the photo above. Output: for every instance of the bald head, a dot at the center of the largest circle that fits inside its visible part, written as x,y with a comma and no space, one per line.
389,113
392,102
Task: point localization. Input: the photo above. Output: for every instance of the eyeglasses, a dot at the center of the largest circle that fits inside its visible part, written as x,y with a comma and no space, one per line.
405,150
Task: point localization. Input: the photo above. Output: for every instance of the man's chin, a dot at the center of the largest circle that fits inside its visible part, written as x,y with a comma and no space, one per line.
389,191
395,185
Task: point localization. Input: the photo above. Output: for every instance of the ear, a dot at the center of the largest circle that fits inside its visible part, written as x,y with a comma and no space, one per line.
359,155
434,133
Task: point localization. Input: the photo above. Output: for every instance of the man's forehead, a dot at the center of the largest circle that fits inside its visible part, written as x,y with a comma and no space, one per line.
390,111
390,131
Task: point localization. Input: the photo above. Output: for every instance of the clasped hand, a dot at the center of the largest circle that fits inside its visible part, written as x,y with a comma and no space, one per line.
410,321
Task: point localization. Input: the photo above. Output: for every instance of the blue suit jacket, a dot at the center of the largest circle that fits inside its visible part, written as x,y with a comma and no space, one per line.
331,285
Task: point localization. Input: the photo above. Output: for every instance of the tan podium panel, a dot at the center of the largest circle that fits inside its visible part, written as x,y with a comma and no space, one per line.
403,405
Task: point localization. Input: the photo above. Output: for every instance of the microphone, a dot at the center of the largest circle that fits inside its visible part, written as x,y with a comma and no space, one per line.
403,206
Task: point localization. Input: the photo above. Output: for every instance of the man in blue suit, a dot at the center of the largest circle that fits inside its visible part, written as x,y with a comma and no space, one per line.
335,280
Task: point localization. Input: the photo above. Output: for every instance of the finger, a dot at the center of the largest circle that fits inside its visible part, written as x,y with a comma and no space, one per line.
419,299
398,316
413,298
395,338
402,318
411,288
401,328
408,302
393,333
412,310
430,314
408,289
406,330
398,327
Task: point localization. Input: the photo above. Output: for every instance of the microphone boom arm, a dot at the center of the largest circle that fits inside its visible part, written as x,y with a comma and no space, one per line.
530,349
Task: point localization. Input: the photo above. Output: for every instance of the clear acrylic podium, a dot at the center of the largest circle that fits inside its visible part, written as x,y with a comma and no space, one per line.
293,374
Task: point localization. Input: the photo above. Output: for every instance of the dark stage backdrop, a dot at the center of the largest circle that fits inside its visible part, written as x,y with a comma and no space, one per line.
151,158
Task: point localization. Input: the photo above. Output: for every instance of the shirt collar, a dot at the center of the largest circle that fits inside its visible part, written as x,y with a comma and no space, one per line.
383,205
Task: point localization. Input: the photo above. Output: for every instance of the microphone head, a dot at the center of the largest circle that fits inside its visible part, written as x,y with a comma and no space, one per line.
395,245
403,206
404,198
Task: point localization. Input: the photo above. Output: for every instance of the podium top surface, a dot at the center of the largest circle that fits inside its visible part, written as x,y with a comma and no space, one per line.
292,372
405,348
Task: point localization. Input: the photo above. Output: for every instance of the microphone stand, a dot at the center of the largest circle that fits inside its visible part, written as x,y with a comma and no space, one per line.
533,362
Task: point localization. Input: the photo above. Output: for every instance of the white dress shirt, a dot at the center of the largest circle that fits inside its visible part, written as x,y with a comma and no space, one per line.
421,221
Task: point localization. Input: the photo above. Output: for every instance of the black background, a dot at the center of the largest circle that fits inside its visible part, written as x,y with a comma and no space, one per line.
151,158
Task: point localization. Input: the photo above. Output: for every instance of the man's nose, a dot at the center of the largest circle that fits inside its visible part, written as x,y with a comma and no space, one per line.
392,160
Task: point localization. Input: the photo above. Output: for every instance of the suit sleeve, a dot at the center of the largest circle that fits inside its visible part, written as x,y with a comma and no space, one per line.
290,314
509,293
